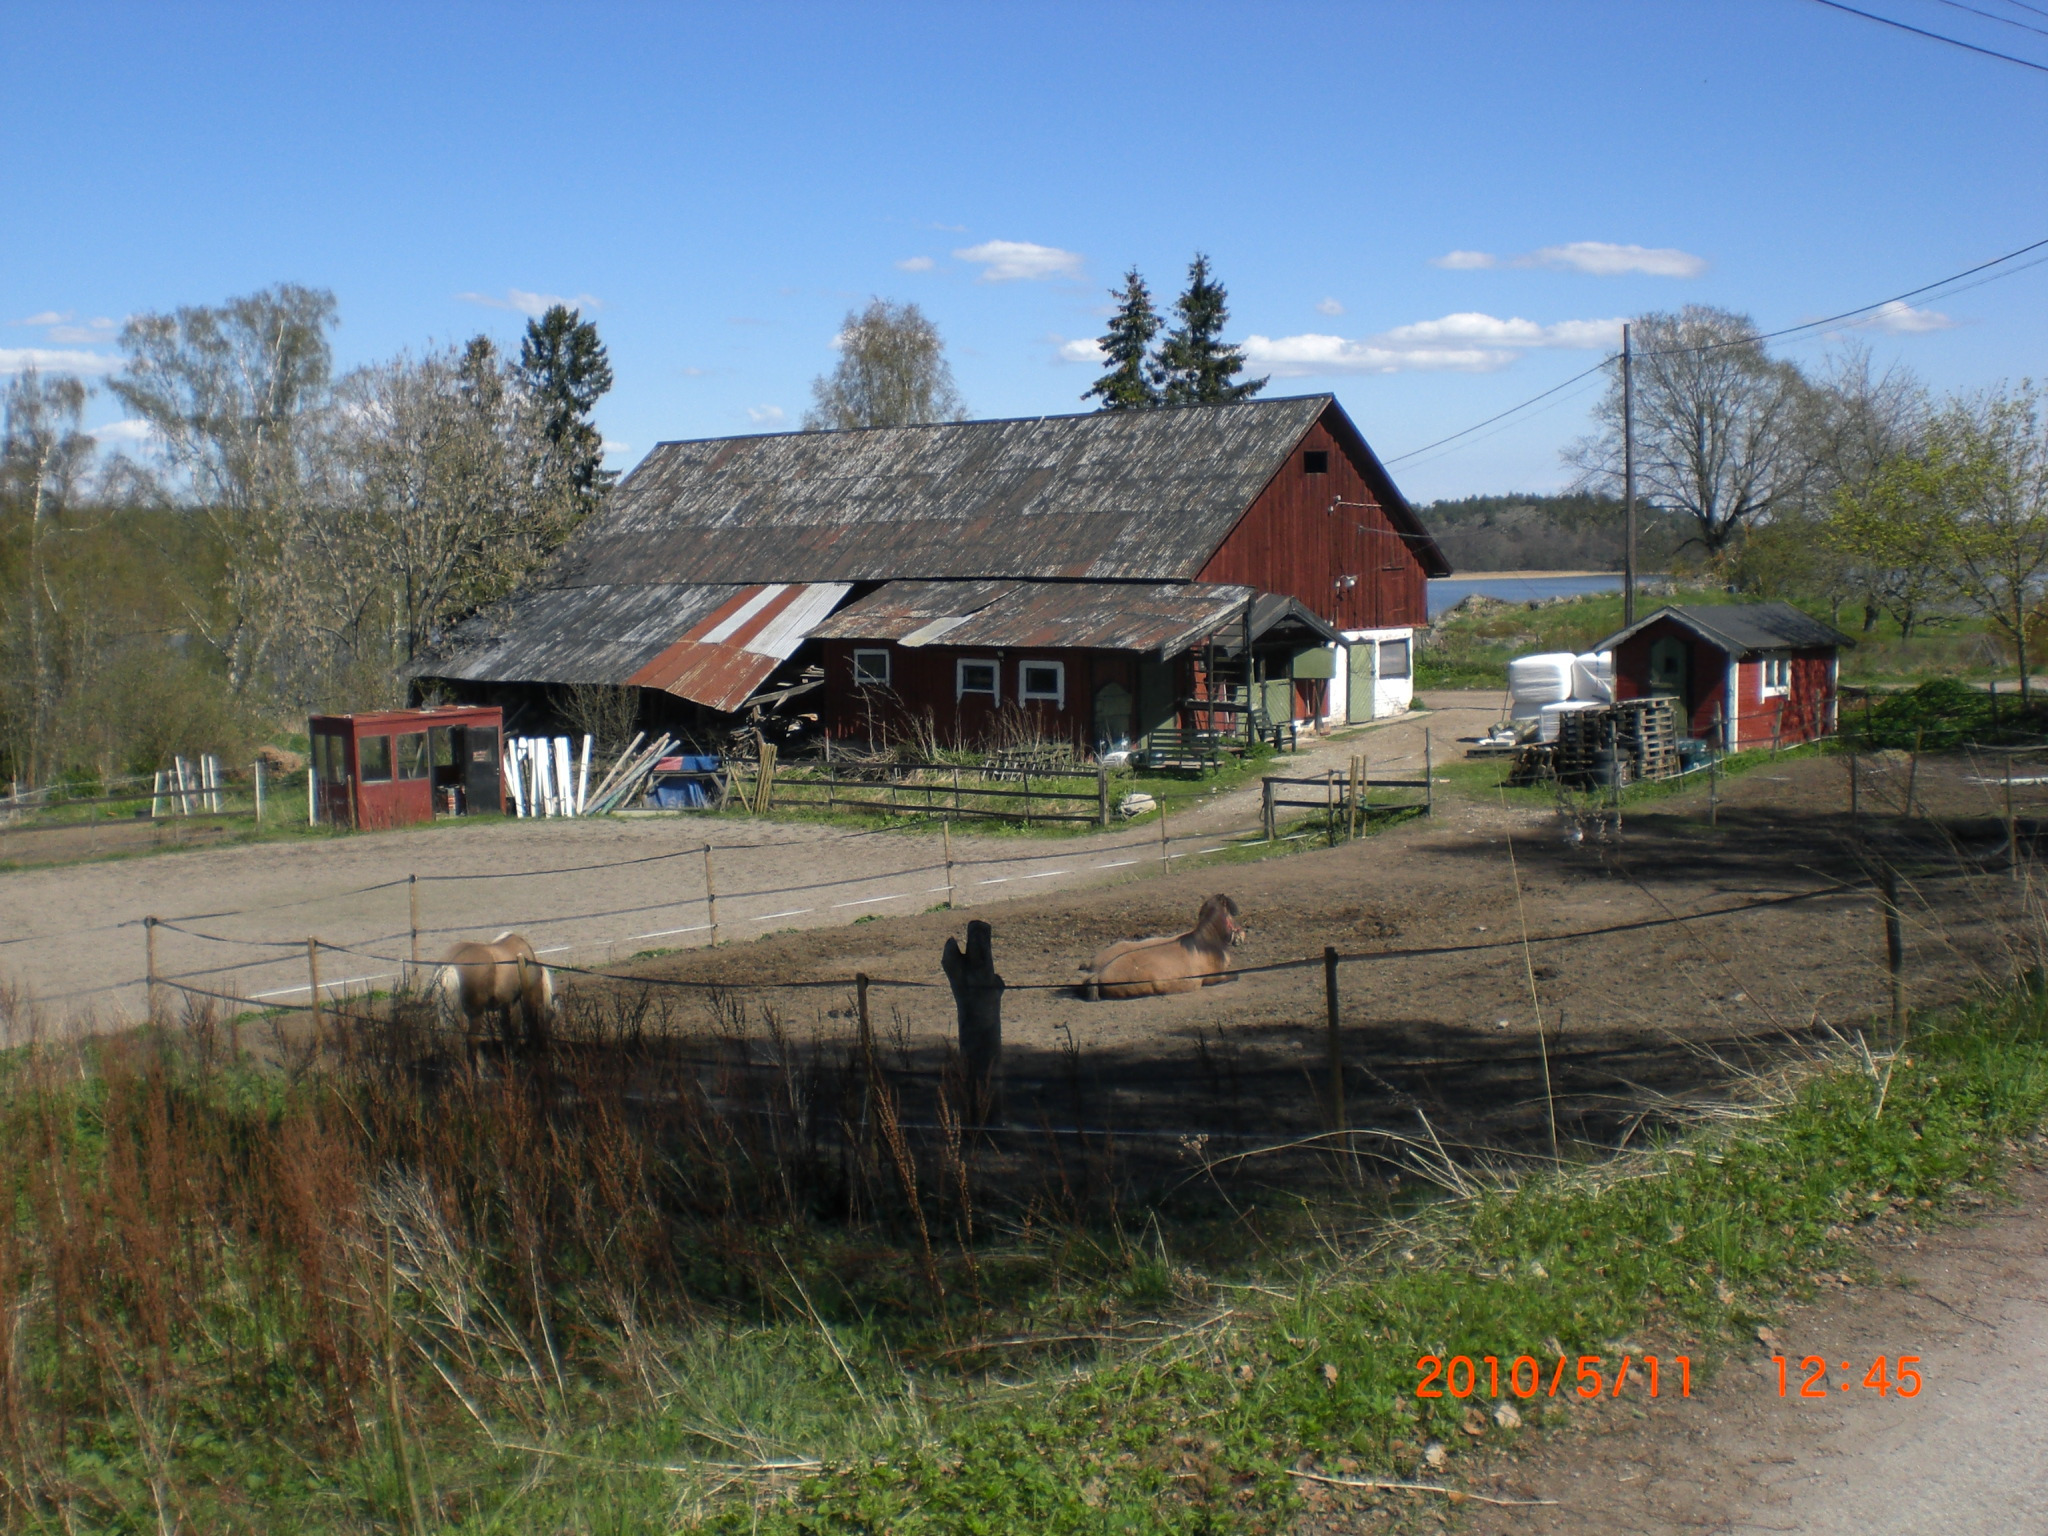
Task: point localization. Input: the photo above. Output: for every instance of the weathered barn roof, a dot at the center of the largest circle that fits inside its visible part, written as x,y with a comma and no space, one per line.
710,644
1742,628
1116,495
1163,617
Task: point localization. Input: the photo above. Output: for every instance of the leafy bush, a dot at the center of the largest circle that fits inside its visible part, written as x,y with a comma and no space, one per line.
1942,714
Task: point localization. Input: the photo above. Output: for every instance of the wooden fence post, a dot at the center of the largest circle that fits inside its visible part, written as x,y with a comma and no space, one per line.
313,975
710,894
149,963
1913,774
1334,1044
978,1004
1357,774
1163,855
946,830
1428,775
1894,947
1102,794
2012,826
259,791
1266,807
1330,806
412,908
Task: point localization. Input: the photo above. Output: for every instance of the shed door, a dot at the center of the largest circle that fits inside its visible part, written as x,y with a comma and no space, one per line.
1670,669
483,783
1363,682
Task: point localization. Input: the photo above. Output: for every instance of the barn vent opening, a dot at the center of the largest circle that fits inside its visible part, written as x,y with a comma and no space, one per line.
1315,461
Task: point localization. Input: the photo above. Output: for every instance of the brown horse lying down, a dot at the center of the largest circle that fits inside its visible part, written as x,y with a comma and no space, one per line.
496,978
1180,962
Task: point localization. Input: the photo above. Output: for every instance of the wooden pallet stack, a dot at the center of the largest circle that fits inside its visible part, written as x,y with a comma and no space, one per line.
1642,733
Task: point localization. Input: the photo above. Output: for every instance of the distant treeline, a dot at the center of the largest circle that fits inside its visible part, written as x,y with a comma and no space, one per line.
1577,531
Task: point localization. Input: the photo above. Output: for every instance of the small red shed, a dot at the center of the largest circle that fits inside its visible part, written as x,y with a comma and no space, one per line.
400,766
1745,675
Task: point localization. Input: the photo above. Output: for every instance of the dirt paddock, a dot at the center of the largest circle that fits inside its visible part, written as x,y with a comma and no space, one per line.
1669,1007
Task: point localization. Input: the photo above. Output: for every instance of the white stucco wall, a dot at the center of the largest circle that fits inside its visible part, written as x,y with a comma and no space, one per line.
1391,695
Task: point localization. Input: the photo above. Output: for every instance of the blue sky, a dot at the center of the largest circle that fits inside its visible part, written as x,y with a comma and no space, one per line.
1383,187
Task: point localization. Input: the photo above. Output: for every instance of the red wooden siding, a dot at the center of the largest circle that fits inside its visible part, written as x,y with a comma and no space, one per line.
1804,713
1291,542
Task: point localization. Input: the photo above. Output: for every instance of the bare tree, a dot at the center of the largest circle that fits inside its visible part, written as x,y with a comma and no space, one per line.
236,395
1855,534
43,455
892,372
1717,424
1988,459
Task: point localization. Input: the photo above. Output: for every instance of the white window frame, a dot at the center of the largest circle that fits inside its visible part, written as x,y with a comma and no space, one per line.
1781,661
867,679
1408,659
993,693
1057,698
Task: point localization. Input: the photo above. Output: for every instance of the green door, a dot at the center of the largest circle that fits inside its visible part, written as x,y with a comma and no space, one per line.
1358,692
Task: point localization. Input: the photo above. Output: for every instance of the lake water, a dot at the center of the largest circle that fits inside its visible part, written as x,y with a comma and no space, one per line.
1449,591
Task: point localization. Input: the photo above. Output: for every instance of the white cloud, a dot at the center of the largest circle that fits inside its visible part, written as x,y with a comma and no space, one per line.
1329,307
612,447
1309,355
1902,319
133,430
1004,261
1473,328
915,264
1462,343
47,317
765,415
1082,350
91,335
525,303
1600,258
53,360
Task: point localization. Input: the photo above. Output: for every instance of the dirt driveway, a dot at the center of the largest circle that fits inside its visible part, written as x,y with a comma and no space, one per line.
70,934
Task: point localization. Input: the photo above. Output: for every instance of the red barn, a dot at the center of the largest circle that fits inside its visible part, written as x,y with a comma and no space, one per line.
1091,577
1776,664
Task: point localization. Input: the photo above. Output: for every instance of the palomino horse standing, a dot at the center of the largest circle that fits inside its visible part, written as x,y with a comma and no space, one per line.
496,978
1181,962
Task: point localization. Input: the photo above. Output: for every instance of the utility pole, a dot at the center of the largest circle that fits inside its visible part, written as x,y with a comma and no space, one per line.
1628,483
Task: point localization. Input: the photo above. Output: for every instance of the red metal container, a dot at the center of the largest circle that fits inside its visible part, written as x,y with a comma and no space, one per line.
399,766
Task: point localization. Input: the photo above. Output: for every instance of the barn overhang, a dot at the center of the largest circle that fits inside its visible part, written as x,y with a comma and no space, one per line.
1162,618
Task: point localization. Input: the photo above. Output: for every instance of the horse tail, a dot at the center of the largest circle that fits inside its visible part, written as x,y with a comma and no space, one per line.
449,984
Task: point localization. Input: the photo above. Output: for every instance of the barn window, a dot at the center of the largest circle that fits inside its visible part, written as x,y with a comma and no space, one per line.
1315,461
1043,682
1393,658
373,759
978,677
870,669
1777,672
412,755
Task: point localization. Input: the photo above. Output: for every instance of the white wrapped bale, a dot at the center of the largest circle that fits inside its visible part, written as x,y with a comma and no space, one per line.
1534,681
1547,729
1593,677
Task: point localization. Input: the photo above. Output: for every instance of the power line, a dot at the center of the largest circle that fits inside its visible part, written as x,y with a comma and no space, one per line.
1939,37
1468,431
1957,5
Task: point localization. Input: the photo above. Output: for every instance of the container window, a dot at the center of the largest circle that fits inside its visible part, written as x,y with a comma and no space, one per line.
1315,461
979,678
1777,672
330,759
483,743
870,669
441,746
1043,682
1393,658
373,759
412,755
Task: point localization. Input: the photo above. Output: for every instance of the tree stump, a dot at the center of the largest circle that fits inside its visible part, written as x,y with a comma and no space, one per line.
978,1000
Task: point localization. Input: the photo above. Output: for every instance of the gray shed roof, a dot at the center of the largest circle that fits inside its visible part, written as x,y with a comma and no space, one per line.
1163,617
1115,495
1742,628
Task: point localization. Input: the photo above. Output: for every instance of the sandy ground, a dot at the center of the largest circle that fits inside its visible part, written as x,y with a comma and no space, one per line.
1967,1456
69,934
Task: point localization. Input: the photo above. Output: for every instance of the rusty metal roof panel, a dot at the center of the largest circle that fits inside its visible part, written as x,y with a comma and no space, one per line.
1117,495
1162,617
713,644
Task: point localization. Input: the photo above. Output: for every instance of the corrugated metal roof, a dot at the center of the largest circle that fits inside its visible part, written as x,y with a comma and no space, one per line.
1119,495
711,644
1742,628
1162,617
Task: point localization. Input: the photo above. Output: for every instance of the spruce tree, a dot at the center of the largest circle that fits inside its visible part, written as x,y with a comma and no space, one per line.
1196,366
563,366
1127,345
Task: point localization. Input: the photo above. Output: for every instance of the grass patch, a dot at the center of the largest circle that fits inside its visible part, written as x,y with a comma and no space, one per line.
244,1298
